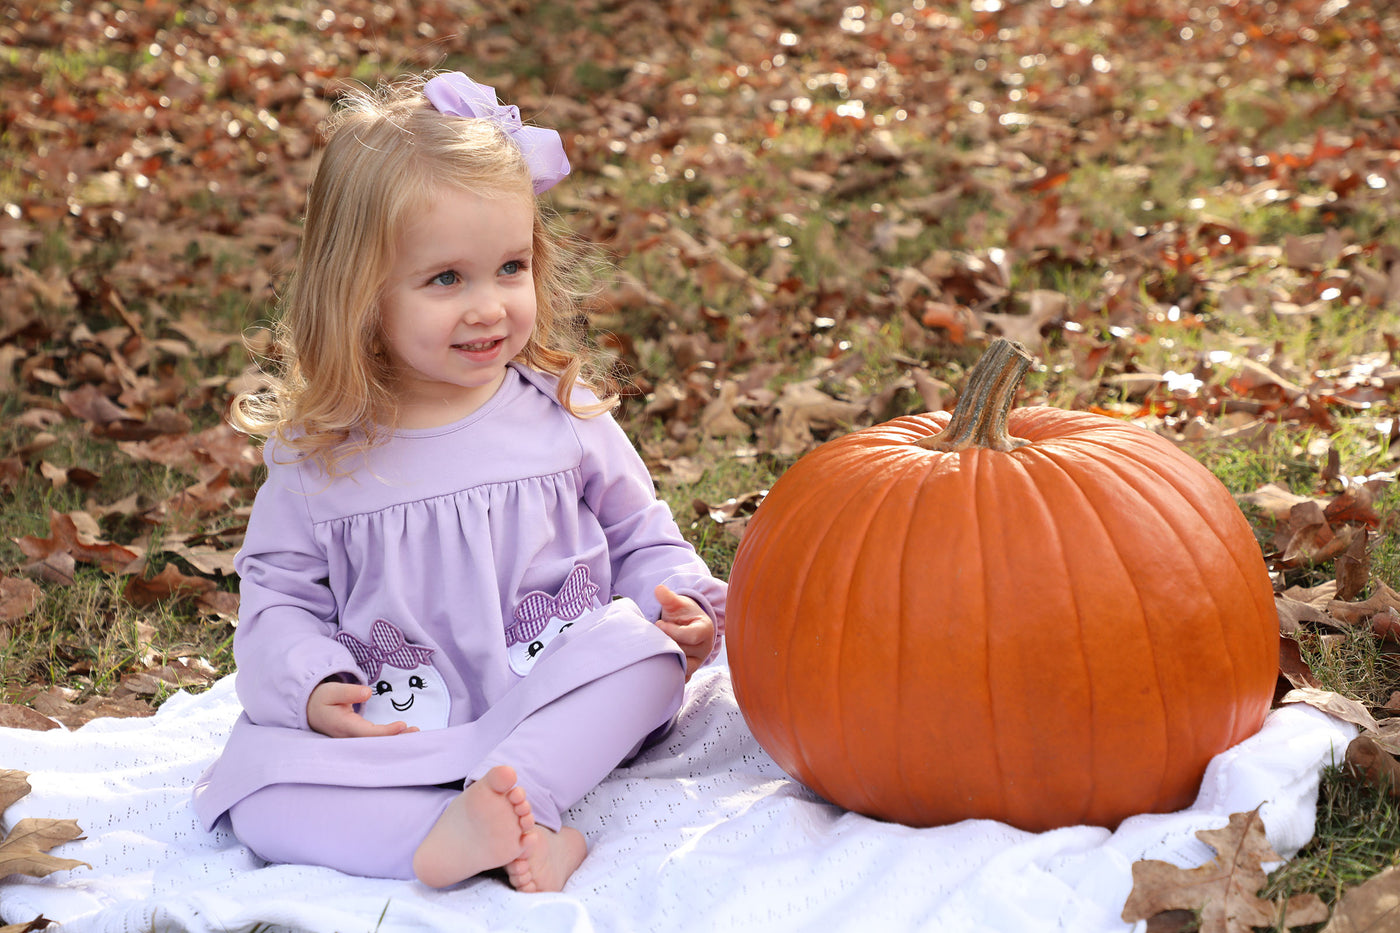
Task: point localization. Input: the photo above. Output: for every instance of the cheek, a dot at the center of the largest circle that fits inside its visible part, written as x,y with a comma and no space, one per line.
529,322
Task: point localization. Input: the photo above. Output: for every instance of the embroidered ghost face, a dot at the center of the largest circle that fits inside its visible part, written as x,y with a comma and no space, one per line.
404,685
418,697
541,617
523,654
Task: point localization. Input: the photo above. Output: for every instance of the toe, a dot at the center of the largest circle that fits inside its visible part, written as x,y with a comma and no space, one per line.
501,779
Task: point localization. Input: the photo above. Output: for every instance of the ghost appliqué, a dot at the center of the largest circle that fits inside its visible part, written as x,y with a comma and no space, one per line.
541,617
404,684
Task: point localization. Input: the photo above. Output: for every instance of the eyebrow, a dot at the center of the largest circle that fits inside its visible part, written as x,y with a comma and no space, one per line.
528,250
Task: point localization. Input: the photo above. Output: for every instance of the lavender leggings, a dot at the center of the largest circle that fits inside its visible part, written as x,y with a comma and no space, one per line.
560,752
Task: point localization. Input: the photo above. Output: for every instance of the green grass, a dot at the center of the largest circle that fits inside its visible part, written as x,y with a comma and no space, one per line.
725,477
1357,836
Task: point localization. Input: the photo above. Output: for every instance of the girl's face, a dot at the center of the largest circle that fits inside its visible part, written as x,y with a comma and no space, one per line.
459,304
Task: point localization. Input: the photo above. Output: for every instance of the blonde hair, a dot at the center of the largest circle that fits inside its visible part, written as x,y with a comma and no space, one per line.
387,151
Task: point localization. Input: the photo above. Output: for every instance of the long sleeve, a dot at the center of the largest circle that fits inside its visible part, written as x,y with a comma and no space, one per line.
287,615
645,545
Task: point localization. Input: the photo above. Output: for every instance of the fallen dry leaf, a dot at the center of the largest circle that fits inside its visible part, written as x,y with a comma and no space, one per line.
1292,667
802,408
24,850
205,558
65,537
13,716
1334,704
1275,501
170,583
719,420
18,597
57,703
1382,599
1224,890
1371,907
177,674
1292,613
1353,567
14,785
1366,760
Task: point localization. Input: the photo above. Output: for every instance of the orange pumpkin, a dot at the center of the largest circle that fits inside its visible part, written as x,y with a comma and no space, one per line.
1037,616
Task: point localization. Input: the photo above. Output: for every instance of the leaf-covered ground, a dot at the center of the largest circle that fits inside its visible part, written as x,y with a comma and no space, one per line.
819,213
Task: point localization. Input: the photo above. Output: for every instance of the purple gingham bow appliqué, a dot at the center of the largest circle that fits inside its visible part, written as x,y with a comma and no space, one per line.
536,608
457,95
386,646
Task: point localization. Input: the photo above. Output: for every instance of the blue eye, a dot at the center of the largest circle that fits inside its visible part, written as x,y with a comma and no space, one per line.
444,278
514,267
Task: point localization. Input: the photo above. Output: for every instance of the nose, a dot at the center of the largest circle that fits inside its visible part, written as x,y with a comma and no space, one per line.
484,305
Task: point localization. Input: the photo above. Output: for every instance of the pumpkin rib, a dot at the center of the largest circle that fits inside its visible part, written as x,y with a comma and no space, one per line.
1242,580
987,630
901,782
1163,687
1205,572
869,505
910,706
1029,469
1238,559
1195,743
1048,459
915,676
819,764
789,680
1219,615
766,527
902,677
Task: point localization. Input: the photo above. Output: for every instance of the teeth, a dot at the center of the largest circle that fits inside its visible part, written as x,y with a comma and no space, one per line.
479,345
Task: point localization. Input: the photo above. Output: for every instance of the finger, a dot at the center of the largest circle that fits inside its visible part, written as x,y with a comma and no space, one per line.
358,727
671,601
342,694
692,633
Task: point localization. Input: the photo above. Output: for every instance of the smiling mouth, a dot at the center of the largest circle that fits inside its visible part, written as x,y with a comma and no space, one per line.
406,705
479,346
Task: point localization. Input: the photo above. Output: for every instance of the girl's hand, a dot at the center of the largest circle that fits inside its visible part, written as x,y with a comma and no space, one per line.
331,711
687,625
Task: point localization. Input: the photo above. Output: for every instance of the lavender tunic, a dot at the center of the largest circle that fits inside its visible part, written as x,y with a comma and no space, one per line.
454,562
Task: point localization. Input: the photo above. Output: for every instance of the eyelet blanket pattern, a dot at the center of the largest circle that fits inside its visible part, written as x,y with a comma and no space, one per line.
702,832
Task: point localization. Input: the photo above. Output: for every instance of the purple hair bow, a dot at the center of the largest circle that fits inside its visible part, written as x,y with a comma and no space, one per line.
386,646
457,95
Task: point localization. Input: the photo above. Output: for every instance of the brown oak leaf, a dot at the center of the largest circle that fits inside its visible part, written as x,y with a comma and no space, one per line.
57,703
1225,890
24,850
170,583
1367,760
65,537
1372,907
18,597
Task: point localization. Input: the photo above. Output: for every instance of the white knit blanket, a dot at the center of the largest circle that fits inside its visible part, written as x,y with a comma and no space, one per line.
702,833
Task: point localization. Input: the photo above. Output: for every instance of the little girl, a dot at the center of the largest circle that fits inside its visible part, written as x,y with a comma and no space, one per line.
462,603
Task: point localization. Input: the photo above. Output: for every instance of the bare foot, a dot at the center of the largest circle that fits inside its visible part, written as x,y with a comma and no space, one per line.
548,860
484,827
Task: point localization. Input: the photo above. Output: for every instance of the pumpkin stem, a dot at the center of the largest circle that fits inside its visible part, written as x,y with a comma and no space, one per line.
979,420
